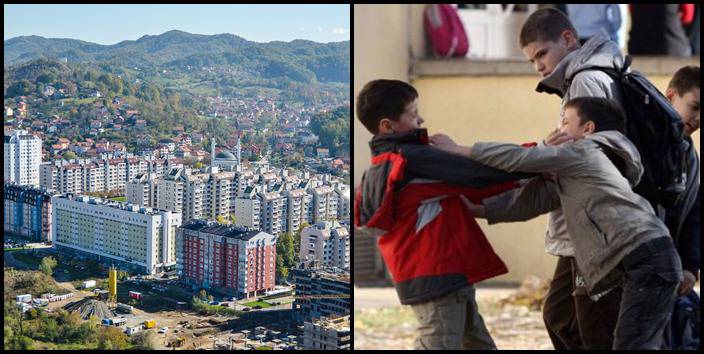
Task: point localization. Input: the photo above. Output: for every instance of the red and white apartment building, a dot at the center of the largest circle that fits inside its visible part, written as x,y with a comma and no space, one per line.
230,260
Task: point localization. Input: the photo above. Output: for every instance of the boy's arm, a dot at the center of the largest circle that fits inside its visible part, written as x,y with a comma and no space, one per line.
564,158
538,196
427,162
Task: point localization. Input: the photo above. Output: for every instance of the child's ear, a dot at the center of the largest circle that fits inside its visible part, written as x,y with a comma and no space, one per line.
570,39
670,93
385,126
589,127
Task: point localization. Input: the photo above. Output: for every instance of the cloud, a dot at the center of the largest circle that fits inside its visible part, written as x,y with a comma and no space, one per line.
320,29
341,31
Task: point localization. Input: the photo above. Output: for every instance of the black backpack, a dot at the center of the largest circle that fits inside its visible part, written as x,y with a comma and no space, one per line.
656,129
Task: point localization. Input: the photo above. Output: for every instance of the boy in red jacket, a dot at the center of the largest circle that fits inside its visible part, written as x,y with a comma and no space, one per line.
414,196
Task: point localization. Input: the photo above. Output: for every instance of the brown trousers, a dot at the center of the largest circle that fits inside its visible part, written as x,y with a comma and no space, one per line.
574,321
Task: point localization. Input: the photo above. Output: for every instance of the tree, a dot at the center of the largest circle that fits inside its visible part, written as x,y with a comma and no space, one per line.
233,218
19,88
287,240
51,330
69,155
220,219
284,255
203,295
105,344
332,128
47,265
281,269
144,340
112,338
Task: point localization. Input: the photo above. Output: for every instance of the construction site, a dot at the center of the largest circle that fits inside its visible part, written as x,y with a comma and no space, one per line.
153,304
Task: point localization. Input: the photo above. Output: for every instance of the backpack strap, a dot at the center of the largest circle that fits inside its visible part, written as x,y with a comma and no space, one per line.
615,73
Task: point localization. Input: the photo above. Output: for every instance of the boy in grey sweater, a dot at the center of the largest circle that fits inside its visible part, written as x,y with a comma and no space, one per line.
618,240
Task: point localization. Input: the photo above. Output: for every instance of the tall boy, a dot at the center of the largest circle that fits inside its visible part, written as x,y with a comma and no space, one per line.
618,240
683,219
414,196
550,42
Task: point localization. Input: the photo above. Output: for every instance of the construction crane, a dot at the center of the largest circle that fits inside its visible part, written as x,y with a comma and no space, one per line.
112,284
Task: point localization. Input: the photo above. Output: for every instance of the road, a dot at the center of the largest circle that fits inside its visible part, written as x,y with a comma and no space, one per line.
10,261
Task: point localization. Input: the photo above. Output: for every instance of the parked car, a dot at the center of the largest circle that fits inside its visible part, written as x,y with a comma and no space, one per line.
246,309
163,329
258,307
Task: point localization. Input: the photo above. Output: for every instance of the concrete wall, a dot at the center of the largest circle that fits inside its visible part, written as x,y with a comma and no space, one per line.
381,52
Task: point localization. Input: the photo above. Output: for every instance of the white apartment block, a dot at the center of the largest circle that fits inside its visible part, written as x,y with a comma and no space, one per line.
218,196
48,175
94,178
272,202
326,242
324,203
97,175
195,196
296,206
170,192
23,155
248,209
343,202
142,190
123,234
272,205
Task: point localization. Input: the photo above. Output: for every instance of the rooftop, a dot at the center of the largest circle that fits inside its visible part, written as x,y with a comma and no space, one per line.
225,155
341,324
235,232
111,203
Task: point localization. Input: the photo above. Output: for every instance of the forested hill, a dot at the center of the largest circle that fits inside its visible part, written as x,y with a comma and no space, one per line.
298,60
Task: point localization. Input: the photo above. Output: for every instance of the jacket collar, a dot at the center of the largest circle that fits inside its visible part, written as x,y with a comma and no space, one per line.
388,142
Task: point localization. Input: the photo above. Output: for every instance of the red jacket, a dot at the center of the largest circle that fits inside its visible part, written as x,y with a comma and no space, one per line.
430,242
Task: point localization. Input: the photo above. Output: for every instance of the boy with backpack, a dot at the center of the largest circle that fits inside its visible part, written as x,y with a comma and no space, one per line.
415,197
597,69
618,240
683,218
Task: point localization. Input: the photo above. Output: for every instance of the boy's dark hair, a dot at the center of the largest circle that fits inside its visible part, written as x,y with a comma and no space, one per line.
685,79
383,99
605,113
545,25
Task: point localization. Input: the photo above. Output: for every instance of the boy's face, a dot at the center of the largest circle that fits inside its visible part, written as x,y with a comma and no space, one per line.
545,55
571,124
687,106
409,120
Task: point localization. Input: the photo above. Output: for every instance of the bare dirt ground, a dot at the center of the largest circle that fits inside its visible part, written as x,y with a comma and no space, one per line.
381,322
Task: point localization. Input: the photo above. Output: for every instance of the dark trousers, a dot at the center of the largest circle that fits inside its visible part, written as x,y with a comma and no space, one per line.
632,316
574,321
653,272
